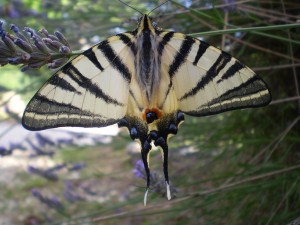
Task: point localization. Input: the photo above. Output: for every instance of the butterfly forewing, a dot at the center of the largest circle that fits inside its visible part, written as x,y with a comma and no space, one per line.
90,91
207,80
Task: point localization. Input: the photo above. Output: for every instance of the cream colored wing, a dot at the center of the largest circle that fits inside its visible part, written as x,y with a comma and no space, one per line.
206,80
90,91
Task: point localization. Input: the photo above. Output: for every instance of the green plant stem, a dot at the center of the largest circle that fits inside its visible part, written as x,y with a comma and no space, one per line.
254,30
61,55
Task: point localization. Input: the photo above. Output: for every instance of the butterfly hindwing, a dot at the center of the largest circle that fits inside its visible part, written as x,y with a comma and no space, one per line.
207,80
90,91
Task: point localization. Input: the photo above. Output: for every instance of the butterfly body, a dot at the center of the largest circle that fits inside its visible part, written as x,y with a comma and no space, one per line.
147,59
145,80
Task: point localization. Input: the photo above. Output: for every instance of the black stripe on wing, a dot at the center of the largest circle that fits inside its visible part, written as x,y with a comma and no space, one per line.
135,101
43,113
43,105
237,66
164,41
166,95
252,86
58,81
181,56
236,98
87,84
114,59
213,71
90,54
201,50
127,41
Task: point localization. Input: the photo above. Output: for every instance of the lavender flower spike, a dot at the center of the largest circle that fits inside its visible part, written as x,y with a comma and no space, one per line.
139,169
52,202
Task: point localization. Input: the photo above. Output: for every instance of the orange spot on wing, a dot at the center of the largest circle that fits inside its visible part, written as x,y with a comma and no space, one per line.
158,112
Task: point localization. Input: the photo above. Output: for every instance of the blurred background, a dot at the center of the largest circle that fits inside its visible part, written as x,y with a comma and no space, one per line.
239,167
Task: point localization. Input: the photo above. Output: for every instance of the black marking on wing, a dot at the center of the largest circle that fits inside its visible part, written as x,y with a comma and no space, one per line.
164,41
116,62
87,84
71,115
90,54
181,56
126,40
201,50
252,86
74,74
237,66
57,81
135,101
166,95
213,71
42,105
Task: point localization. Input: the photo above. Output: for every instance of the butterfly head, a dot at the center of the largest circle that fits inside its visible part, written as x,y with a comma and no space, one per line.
145,23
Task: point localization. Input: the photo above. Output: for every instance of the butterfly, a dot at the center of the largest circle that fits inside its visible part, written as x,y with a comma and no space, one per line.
145,80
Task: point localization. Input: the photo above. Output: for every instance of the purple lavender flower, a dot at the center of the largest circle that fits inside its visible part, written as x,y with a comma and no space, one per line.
72,197
36,193
230,5
70,194
34,51
69,185
52,202
8,151
62,141
77,166
56,168
139,169
13,146
14,28
89,191
44,140
38,150
13,13
5,151
61,38
43,173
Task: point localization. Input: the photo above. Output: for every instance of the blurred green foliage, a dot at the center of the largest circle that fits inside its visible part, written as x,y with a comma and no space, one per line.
208,153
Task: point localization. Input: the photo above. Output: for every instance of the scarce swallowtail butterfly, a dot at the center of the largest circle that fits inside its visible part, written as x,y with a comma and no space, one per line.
145,80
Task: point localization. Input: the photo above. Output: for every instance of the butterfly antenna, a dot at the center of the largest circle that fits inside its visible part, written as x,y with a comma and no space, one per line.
157,7
131,7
